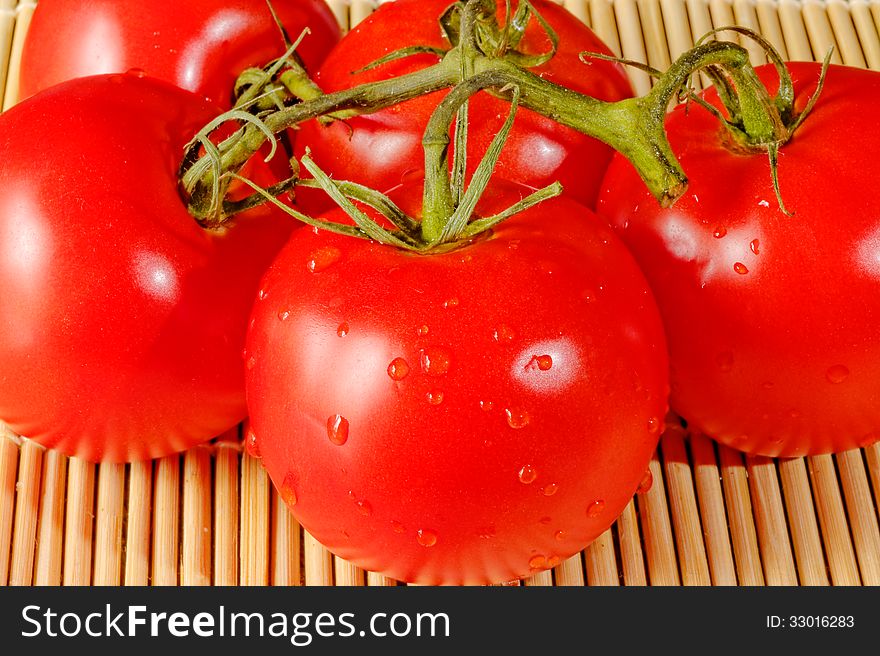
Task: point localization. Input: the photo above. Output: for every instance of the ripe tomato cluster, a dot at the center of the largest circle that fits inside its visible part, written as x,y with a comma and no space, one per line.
464,409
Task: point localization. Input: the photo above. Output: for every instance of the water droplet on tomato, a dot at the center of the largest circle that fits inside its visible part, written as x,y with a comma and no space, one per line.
559,536
288,490
595,509
342,329
434,397
251,362
550,489
488,532
116,79
724,360
837,374
423,330
540,362
646,483
364,508
451,302
283,315
251,444
517,417
504,333
546,521
740,268
764,203
719,232
513,244
537,562
262,294
653,425
487,406
337,429
426,537
755,246
434,361
136,72
322,258
398,527
527,474
398,369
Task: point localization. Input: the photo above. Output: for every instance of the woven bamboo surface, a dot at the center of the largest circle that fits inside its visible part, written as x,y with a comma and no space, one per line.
712,517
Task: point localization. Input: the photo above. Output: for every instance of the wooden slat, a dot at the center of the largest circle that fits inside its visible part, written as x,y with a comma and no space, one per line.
23,13
108,524
802,522
165,558
632,555
712,511
139,521
50,535
226,502
27,508
860,11
79,523
657,531
861,514
318,564
600,561
779,567
744,536
9,456
254,522
286,544
832,520
195,564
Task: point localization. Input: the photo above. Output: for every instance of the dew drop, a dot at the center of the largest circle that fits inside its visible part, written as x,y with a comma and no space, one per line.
540,362
740,268
653,425
288,490
559,536
553,561
364,508
262,294
342,329
755,246
503,333
426,537
434,397
527,474
646,483
398,369
283,315
337,429
837,374
595,509
517,417
513,244
487,533
251,362
719,232
251,444
550,489
423,330
538,562
487,406
451,302
434,361
323,258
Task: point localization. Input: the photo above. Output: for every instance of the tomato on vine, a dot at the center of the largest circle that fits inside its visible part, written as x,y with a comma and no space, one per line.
199,45
465,416
384,148
771,316
122,321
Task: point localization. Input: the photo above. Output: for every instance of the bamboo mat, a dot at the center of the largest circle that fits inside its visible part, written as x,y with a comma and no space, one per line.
712,516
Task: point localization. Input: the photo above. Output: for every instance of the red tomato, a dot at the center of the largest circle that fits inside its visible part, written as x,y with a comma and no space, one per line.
122,322
458,418
199,45
771,319
383,148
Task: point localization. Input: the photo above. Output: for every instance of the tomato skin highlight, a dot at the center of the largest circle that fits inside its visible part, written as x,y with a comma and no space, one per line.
383,149
122,322
771,319
199,45
460,418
